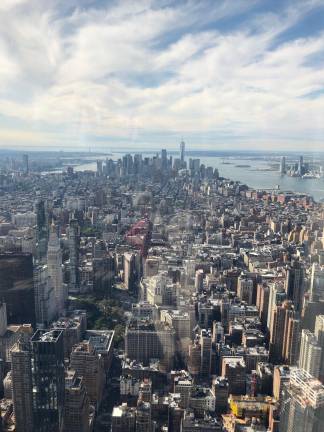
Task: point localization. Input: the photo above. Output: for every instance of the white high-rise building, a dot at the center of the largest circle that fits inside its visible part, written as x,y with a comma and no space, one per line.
54,264
45,305
310,354
319,334
129,270
154,288
319,328
317,283
302,408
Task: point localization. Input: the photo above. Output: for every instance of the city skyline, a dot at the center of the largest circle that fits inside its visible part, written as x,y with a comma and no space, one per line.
153,292
94,74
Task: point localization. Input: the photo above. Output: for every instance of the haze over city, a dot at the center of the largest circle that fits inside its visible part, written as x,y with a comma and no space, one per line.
100,74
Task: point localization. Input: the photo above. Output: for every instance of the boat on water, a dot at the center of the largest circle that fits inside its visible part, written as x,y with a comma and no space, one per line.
311,176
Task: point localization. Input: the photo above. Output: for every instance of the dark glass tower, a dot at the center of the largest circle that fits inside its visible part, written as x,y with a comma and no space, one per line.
48,380
17,287
22,387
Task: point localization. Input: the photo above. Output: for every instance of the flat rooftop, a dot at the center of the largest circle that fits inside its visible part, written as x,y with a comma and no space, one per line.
46,336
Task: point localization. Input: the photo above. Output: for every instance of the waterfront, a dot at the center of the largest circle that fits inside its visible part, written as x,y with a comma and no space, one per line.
258,175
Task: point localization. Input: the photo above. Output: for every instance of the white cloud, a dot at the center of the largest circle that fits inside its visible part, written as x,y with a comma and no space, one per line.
137,68
6,5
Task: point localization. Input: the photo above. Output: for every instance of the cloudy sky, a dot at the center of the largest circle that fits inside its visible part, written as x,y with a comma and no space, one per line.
103,74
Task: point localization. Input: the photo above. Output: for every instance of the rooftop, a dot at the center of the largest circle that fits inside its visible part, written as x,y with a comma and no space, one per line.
46,336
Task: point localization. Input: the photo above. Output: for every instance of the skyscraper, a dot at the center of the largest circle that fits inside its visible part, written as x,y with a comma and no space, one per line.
194,358
319,334
17,287
74,243
302,408
283,165
262,302
45,303
276,296
182,152
319,329
25,163
301,166
88,364
291,341
22,388
3,319
164,159
295,284
129,270
281,375
41,234
206,345
76,404
220,390
143,417
127,164
317,283
48,380
199,281
138,163
310,354
54,264
281,336
99,167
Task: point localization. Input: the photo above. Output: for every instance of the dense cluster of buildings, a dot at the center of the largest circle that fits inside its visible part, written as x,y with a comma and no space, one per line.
226,332
302,169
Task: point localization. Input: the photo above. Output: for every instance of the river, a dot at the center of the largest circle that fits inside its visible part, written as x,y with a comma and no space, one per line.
253,172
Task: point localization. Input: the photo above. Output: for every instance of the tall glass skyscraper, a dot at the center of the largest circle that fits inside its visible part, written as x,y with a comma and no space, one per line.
182,151
48,380
17,287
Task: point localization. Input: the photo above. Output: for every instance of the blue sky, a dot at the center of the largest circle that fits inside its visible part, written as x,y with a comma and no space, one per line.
223,74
